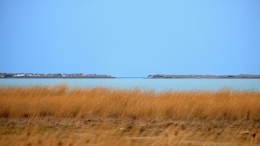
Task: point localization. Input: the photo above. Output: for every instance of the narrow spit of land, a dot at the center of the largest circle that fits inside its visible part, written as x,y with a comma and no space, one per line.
172,76
58,115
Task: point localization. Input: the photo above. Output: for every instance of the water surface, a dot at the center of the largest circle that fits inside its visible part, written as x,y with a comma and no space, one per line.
143,83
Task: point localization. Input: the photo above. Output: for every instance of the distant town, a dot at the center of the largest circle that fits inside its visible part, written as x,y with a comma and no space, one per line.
155,76
58,75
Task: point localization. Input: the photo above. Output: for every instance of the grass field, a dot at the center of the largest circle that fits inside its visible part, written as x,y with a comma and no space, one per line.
59,115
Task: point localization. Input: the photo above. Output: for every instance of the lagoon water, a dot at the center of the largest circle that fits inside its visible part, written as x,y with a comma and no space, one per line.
143,83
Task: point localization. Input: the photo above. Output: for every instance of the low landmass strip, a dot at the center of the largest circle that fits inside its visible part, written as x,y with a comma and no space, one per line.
240,76
58,75
155,76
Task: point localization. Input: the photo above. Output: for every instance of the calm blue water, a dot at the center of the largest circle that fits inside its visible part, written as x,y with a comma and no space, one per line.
143,83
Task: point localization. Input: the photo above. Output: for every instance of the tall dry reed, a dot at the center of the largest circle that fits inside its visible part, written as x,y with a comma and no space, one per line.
62,101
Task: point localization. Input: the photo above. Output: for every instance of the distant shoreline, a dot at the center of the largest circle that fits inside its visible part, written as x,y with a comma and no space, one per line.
59,75
170,76
102,76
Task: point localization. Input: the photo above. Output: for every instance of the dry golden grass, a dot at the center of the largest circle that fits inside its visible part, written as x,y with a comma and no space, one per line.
59,115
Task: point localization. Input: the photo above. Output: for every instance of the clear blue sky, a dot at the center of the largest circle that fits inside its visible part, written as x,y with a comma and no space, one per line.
132,38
